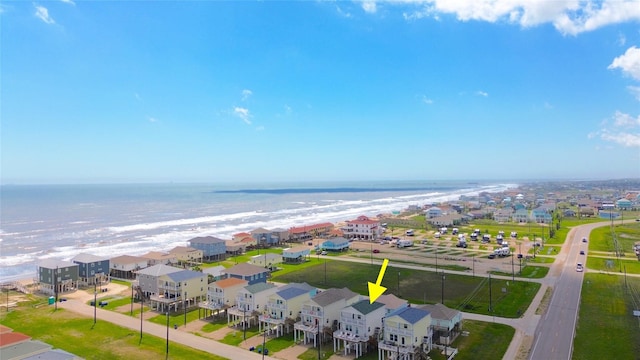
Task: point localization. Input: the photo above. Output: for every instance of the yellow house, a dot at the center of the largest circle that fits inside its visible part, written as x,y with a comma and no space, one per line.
284,307
187,254
405,331
183,287
222,293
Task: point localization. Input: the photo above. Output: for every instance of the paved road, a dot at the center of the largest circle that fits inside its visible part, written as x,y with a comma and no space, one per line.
556,330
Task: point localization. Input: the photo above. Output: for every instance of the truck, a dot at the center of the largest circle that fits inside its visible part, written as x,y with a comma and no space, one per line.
404,243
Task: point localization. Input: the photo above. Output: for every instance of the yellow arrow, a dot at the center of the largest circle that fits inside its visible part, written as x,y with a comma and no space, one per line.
375,290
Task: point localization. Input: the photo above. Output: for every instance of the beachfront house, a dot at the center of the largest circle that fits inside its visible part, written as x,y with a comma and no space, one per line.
92,269
296,255
284,307
222,294
362,228
405,332
235,248
321,314
125,266
187,255
251,300
183,288
335,244
309,232
251,273
358,323
157,258
56,276
148,279
540,215
215,272
446,322
213,249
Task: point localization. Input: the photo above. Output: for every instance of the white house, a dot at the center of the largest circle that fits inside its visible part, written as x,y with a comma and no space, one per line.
358,323
446,322
222,294
125,266
266,260
322,311
362,228
250,300
285,306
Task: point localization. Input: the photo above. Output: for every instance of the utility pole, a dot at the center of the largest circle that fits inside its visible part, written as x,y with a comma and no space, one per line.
442,296
141,311
490,299
513,274
167,335
95,303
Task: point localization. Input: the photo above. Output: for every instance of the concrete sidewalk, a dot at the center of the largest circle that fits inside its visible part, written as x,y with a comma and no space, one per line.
177,336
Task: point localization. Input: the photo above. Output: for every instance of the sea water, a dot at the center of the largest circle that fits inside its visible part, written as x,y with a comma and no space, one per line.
60,221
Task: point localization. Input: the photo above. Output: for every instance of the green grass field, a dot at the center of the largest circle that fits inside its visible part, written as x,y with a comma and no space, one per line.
506,300
70,332
606,328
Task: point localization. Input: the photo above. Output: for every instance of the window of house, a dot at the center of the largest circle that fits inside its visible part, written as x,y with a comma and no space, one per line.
402,340
93,265
406,326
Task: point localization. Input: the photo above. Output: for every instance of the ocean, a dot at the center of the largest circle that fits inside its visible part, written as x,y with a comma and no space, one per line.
60,221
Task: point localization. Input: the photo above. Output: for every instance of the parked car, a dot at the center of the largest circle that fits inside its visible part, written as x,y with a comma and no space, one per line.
376,251
579,267
323,253
581,252
584,239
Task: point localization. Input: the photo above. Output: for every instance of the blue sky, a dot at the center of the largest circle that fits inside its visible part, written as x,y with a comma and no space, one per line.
218,91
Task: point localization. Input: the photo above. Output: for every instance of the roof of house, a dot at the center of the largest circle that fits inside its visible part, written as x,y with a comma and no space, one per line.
88,258
159,270
330,296
307,228
295,250
303,286
52,264
244,269
292,292
410,314
391,301
364,306
20,350
260,231
11,338
182,250
229,282
259,287
126,259
363,220
54,354
440,311
336,240
185,275
157,255
206,240
214,271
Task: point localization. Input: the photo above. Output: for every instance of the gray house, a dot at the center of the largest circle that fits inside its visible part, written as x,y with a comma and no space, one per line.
212,248
56,276
92,269
251,273
147,278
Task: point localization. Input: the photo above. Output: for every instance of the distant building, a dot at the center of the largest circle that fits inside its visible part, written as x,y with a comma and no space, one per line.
251,273
266,260
308,232
157,257
148,278
296,255
187,255
125,266
362,228
335,244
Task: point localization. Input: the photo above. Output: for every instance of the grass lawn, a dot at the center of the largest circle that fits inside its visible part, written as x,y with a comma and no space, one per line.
236,337
606,328
279,343
632,266
216,324
485,341
176,318
466,292
326,351
70,332
528,272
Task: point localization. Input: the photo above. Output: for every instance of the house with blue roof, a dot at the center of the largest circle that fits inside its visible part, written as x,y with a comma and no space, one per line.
253,274
335,244
358,322
250,301
624,204
540,216
405,331
285,306
179,289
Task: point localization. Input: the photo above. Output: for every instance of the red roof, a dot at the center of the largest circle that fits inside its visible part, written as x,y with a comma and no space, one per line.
12,338
307,228
363,220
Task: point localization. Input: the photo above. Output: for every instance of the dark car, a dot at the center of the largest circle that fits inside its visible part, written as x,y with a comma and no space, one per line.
584,239
376,251
581,252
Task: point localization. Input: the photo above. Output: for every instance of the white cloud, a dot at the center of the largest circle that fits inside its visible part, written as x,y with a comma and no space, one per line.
426,100
342,12
242,113
482,93
635,91
570,17
622,129
43,14
246,94
629,62
622,40
369,7
70,2
151,119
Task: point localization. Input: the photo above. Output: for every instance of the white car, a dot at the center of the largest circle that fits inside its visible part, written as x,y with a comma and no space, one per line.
579,267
